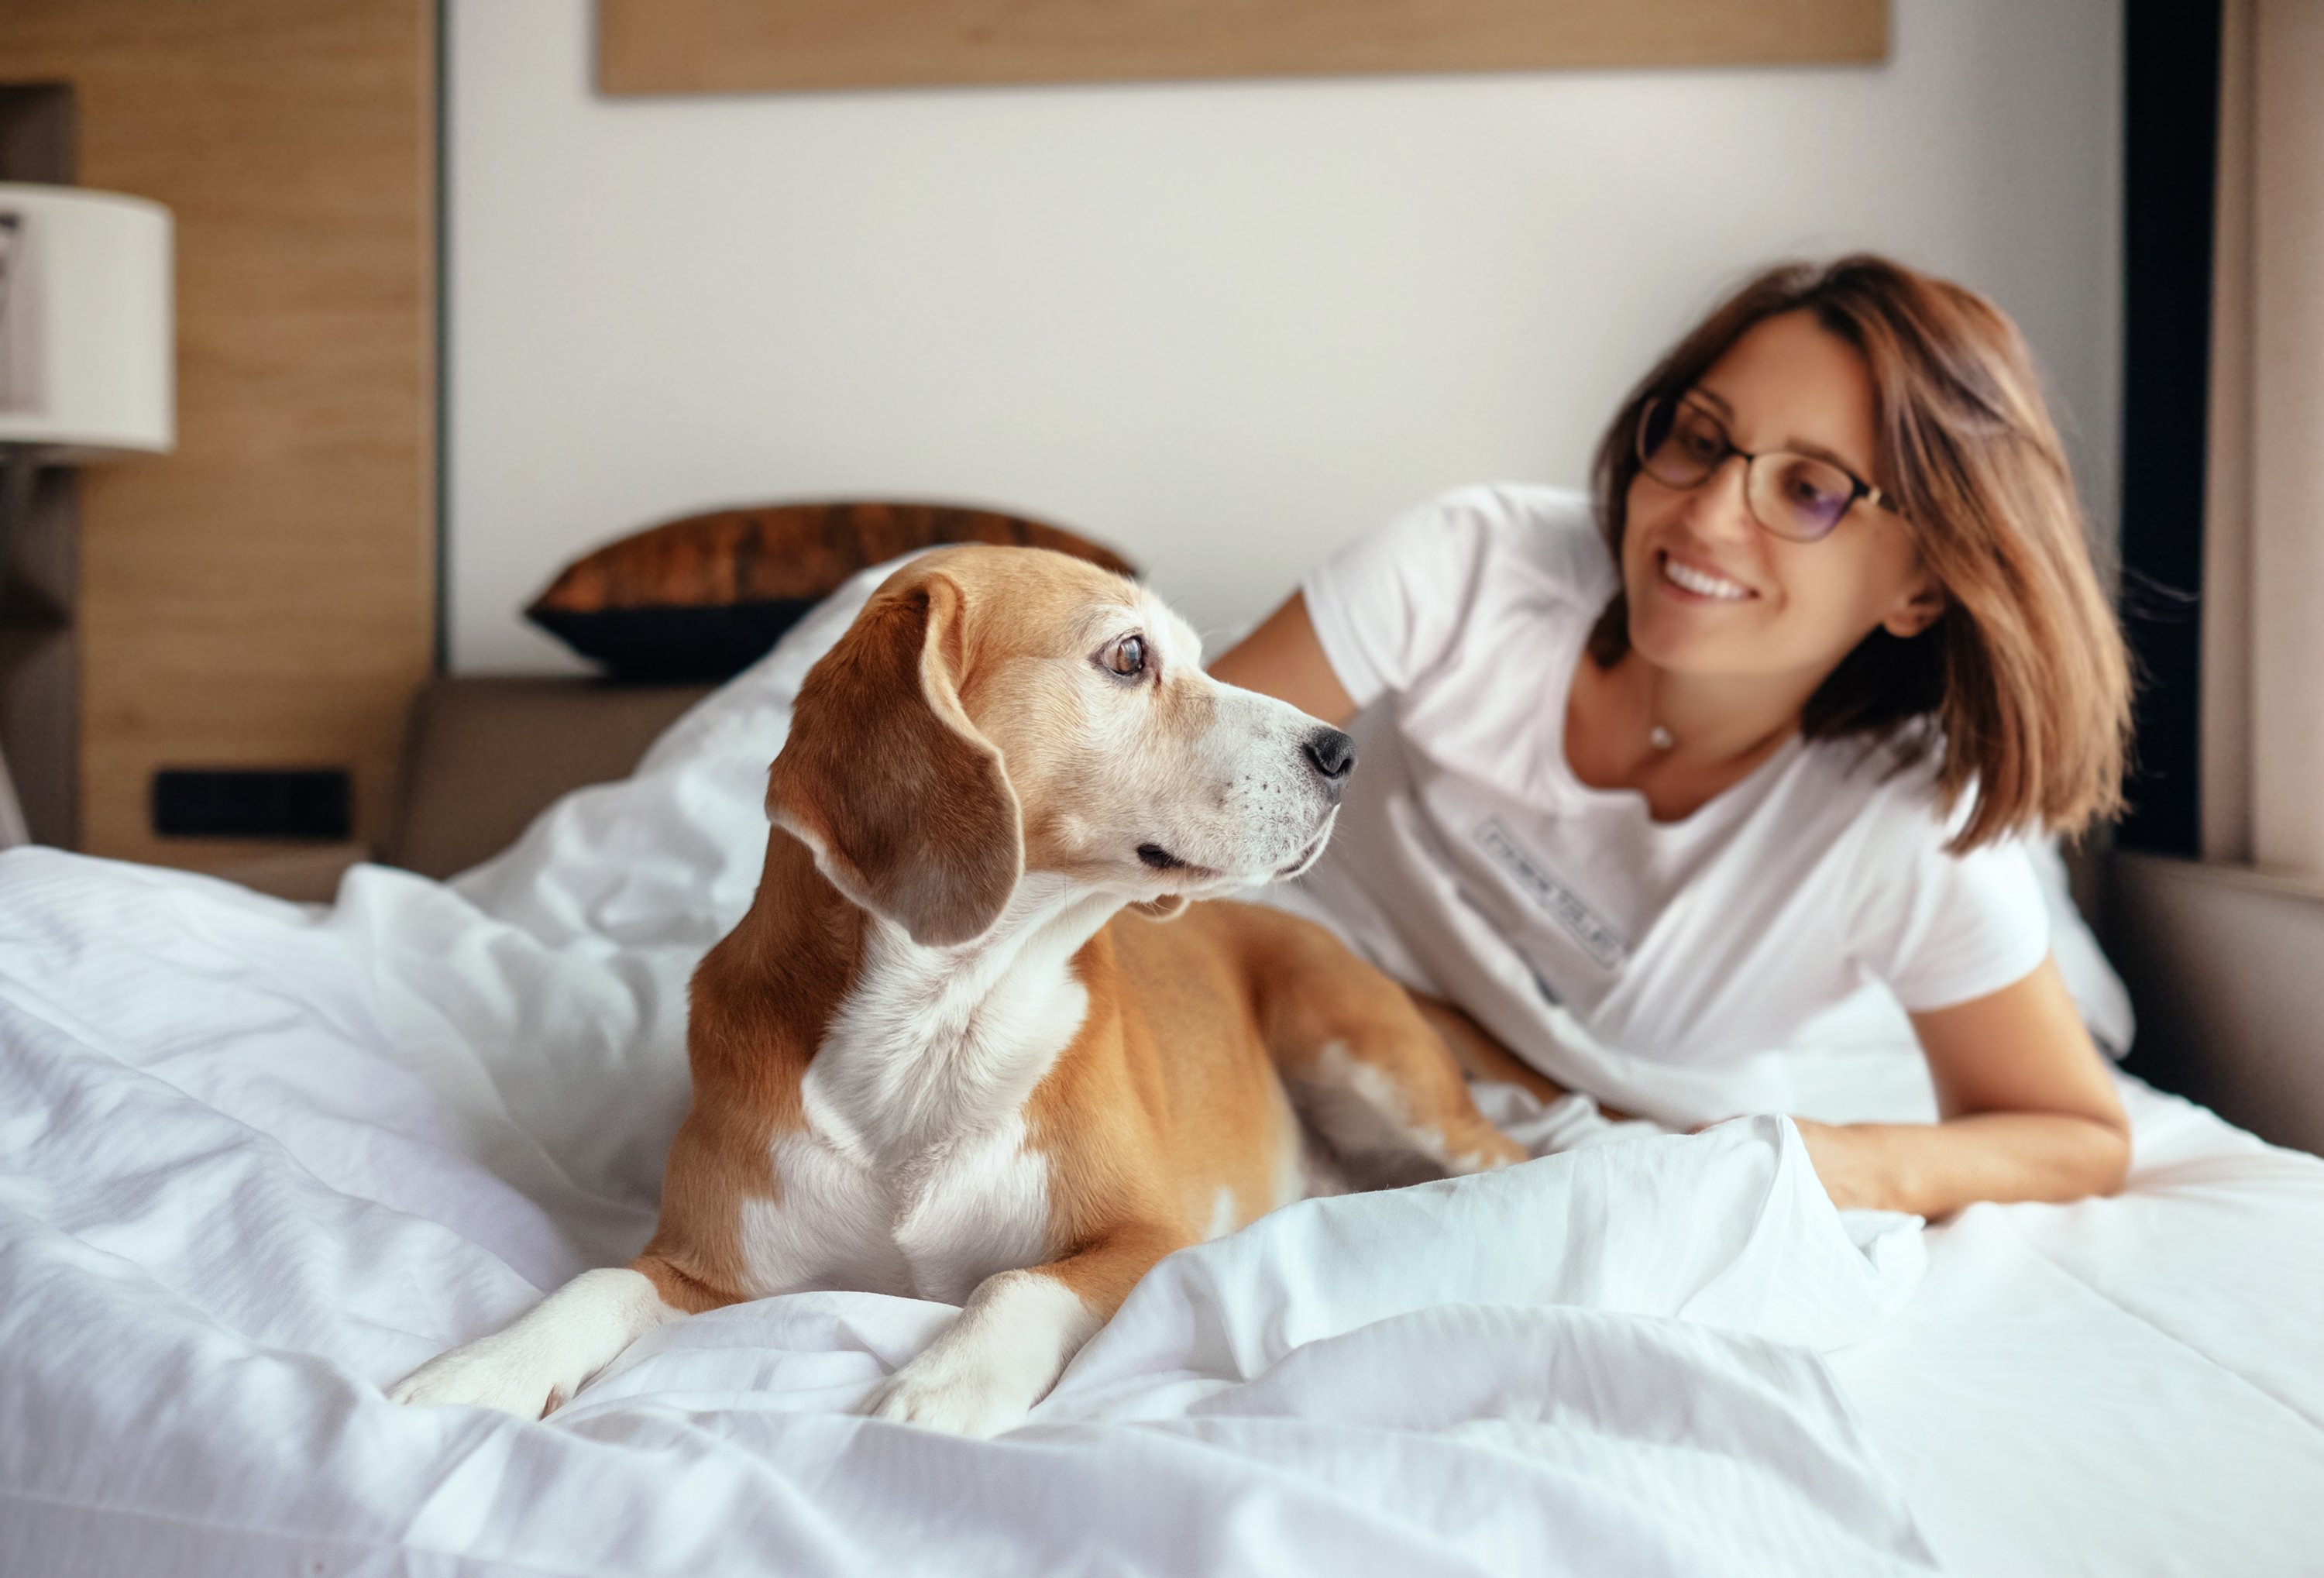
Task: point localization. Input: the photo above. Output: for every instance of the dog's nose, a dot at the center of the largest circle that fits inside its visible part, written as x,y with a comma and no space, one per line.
1333,756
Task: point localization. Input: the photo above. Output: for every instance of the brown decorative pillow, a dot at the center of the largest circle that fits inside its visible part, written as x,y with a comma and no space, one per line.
703,598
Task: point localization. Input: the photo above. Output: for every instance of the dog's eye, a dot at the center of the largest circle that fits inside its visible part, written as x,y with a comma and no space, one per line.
1126,657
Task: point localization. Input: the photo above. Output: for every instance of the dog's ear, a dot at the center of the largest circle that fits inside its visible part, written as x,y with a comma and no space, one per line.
906,806
1168,906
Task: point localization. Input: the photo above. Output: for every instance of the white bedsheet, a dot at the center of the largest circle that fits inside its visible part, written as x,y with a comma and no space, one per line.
2131,1385
257,1159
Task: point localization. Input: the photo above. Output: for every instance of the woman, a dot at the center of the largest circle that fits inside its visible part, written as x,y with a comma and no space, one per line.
1645,801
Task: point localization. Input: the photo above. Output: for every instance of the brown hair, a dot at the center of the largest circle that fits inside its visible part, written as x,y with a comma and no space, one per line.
2024,673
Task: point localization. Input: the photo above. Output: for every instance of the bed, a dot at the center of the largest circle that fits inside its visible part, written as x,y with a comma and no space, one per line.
262,1158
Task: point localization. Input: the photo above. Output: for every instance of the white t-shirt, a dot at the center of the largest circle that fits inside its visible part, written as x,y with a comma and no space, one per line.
1661,966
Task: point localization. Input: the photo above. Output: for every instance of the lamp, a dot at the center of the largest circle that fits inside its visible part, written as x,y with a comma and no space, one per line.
86,363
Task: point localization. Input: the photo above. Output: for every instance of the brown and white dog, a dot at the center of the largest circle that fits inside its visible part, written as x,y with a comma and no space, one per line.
953,1052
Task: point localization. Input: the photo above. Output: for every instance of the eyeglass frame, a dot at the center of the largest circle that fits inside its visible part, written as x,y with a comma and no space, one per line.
1860,490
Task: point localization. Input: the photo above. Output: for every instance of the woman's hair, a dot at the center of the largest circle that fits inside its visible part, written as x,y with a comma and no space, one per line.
2024,673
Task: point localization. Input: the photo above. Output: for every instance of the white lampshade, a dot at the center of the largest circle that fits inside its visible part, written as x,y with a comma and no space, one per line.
88,342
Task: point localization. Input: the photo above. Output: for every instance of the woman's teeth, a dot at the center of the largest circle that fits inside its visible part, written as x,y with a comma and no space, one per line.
1703,584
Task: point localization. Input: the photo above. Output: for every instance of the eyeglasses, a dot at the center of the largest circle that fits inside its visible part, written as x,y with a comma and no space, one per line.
1681,445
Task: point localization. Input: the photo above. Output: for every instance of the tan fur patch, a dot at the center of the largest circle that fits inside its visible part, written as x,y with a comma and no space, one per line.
761,1000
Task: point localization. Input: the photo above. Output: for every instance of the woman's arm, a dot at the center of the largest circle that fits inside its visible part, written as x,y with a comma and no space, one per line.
1283,658
2028,1111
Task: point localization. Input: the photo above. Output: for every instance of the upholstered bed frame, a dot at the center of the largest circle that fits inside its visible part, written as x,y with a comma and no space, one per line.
483,756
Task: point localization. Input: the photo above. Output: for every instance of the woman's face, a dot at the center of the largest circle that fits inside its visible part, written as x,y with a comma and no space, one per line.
1759,604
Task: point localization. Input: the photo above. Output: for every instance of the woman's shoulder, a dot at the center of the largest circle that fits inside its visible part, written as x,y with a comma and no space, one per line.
1551,529
1433,592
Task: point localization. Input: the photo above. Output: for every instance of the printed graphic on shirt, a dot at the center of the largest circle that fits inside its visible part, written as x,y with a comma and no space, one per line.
1600,941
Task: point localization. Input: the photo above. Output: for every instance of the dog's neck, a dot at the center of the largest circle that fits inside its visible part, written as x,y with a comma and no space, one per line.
934,1042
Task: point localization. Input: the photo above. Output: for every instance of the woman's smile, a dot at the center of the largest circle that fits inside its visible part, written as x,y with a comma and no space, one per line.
1692,581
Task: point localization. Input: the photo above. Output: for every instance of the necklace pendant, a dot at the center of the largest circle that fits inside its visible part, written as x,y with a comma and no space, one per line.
1660,738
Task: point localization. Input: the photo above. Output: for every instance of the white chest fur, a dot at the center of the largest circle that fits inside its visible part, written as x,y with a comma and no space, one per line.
912,1175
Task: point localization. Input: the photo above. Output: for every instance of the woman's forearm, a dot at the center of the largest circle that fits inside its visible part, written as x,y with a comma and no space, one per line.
1934,1169
2032,1112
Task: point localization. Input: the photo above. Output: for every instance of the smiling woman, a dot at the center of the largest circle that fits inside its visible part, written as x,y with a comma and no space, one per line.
1931,386
1642,801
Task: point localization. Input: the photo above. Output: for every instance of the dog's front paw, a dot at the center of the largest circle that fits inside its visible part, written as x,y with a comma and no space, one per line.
985,1371
949,1396
484,1374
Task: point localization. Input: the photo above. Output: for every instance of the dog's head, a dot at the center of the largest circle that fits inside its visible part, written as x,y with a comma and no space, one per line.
995,711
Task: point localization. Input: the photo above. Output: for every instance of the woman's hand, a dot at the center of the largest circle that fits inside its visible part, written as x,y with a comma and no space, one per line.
1850,1174
1848,1158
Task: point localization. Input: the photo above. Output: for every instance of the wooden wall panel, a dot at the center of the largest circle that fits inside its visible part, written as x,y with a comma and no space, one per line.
739,46
266,596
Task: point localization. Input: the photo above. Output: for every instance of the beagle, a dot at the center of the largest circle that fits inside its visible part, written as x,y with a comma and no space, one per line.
960,1049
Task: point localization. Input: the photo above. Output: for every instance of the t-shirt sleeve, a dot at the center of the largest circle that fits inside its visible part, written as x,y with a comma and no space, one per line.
1389,607
1942,929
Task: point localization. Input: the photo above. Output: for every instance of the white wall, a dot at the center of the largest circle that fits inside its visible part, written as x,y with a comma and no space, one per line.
1224,327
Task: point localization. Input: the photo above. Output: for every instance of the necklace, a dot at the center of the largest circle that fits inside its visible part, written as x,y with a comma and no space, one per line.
1660,738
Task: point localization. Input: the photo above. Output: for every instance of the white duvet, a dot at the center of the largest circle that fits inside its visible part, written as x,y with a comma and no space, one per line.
260,1159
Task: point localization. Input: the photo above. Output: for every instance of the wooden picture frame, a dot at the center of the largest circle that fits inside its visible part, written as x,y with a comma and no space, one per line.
758,46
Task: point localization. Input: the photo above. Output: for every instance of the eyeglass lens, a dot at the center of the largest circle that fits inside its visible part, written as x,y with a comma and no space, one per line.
1798,496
